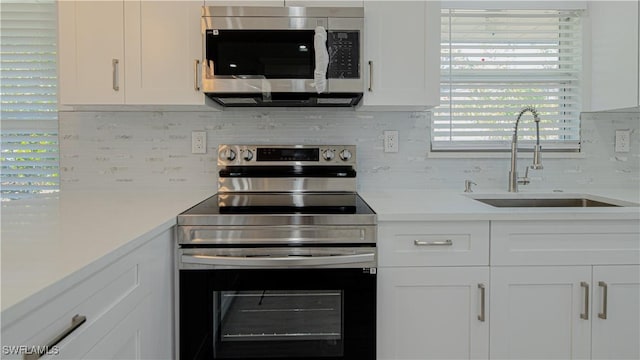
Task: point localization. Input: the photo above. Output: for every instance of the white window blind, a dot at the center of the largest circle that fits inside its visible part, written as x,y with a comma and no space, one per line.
29,128
494,63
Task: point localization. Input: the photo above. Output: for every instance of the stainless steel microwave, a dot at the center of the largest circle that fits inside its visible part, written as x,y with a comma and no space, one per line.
283,56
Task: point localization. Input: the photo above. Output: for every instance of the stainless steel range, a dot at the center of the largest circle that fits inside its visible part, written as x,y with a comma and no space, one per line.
281,262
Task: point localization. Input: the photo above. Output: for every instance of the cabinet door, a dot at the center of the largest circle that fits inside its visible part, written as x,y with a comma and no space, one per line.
432,313
539,312
402,53
164,47
616,312
614,54
91,52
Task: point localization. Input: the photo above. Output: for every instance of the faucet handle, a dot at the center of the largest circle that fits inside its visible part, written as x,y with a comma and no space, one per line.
467,186
525,179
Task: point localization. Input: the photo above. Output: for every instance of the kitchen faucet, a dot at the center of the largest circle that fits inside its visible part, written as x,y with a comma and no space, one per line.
514,180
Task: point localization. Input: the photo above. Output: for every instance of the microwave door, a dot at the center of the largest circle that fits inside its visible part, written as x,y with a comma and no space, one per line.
256,61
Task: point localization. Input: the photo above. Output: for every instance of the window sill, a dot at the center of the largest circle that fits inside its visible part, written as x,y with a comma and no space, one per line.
501,155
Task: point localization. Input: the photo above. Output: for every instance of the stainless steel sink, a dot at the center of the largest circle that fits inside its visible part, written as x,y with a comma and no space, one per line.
546,202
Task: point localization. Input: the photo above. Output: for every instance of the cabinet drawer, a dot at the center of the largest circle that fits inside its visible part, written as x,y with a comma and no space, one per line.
114,289
442,243
565,242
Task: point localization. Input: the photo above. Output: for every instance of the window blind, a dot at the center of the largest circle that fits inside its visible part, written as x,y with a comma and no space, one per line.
494,63
28,73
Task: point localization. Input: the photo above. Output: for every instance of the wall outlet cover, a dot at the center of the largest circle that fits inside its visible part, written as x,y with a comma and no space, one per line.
198,142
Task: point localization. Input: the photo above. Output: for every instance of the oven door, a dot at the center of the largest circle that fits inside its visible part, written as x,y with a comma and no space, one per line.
264,310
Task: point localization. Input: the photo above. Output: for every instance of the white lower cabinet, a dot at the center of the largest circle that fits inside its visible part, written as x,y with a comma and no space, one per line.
127,305
433,313
540,312
559,312
554,307
433,290
616,312
552,290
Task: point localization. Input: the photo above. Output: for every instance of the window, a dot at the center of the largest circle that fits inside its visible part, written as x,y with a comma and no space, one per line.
29,98
496,62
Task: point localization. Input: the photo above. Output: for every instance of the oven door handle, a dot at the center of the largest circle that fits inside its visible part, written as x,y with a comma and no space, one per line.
288,261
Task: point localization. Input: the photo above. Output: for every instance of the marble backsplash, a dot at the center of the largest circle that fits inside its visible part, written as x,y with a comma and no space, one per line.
151,150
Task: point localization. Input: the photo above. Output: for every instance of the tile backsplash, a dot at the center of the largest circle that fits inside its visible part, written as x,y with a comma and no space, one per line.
151,150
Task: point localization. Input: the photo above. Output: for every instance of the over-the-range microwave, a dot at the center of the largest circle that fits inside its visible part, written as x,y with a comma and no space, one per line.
283,56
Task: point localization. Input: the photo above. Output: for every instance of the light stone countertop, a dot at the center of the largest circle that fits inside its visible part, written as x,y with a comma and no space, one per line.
442,205
51,242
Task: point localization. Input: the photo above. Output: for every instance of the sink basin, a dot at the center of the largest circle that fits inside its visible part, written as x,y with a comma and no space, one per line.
557,202
521,200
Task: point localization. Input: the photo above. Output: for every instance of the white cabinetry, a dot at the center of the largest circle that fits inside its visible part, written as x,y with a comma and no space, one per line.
426,309
161,40
614,54
90,52
535,313
558,296
127,306
402,54
615,314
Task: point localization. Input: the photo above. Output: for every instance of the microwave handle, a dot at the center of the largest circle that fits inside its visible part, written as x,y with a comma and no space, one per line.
322,59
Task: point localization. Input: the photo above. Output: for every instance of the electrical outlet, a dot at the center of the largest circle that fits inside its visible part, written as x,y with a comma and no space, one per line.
623,139
390,141
198,142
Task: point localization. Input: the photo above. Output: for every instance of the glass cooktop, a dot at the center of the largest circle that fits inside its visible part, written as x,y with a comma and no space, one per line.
281,203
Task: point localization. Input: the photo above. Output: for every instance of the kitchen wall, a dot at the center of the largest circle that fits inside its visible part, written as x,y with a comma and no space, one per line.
142,151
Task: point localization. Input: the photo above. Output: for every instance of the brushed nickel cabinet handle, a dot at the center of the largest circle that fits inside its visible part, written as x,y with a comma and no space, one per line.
370,76
195,75
482,303
433,243
76,321
585,314
603,285
115,64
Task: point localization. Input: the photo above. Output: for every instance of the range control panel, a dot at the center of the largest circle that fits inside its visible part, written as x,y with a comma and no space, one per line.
287,155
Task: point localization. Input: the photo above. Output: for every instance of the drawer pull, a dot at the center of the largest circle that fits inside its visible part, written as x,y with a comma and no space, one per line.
447,242
603,314
482,303
115,63
76,321
585,314
196,65
370,76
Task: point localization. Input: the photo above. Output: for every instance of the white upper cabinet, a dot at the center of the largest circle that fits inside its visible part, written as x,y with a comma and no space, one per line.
614,54
402,54
161,40
163,46
91,52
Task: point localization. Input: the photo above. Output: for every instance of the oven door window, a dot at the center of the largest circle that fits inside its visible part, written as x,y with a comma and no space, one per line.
287,322
274,54
322,314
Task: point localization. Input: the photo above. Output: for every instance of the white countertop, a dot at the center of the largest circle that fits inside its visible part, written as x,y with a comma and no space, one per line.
442,205
49,243
46,241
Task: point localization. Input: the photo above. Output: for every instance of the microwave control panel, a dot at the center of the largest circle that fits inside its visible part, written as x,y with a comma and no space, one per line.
343,47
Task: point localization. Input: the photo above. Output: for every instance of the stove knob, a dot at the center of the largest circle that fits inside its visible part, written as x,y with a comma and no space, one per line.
328,154
248,155
228,155
345,155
